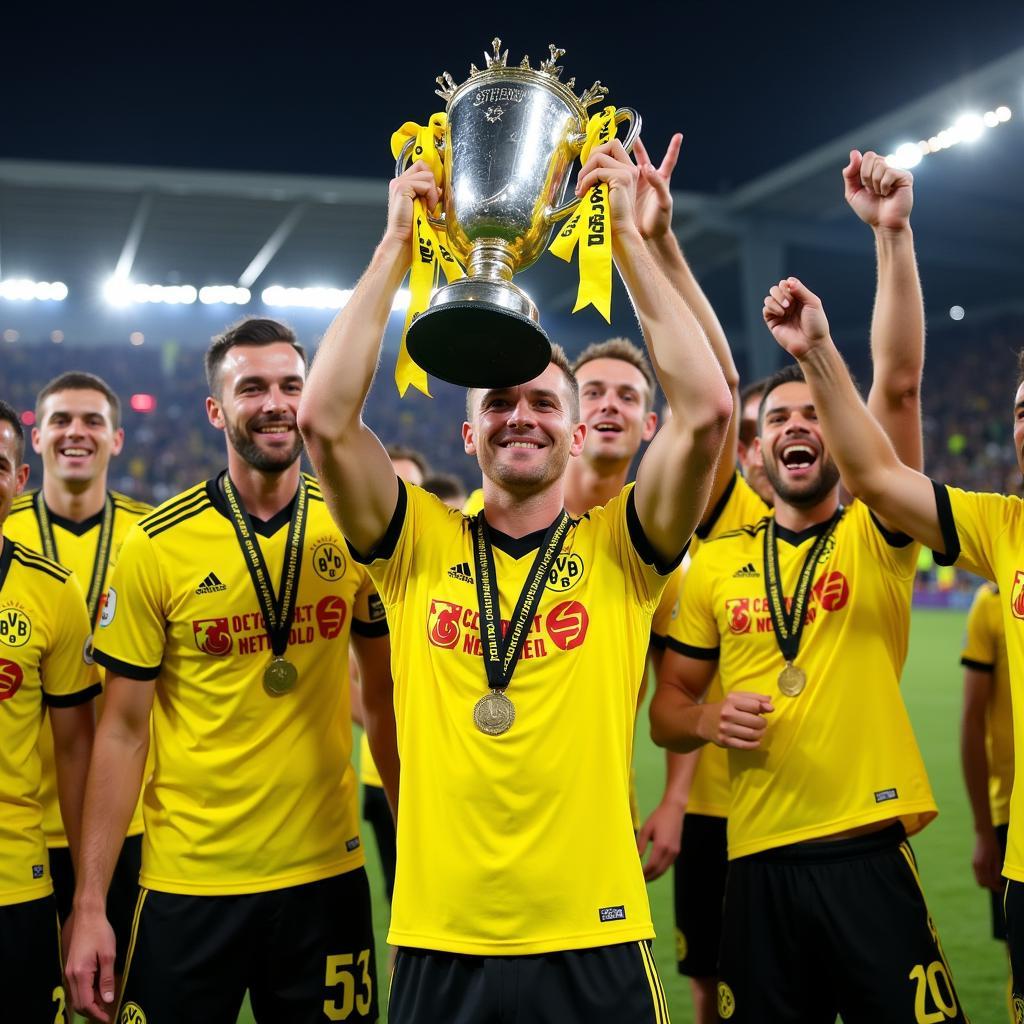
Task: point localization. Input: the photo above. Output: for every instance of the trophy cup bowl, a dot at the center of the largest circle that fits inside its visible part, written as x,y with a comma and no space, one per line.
512,137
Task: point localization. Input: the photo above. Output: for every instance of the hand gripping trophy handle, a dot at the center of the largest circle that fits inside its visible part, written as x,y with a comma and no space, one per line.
635,124
511,140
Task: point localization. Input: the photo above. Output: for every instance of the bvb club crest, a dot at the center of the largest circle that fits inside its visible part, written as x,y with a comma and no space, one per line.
726,1001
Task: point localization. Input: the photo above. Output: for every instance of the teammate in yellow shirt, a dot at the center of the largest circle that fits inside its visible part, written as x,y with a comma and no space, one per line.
75,520
986,743
983,533
823,910
44,640
228,619
516,742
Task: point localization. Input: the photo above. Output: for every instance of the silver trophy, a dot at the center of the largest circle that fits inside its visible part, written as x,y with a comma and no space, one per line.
513,135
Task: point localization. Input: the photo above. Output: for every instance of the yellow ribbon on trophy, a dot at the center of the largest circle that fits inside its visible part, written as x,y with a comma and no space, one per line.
429,252
590,227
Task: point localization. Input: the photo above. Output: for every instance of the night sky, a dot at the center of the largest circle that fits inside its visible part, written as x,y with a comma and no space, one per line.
316,90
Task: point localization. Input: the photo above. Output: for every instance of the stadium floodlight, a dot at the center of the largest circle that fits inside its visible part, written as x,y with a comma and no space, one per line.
123,292
956,312
21,289
968,127
225,294
309,298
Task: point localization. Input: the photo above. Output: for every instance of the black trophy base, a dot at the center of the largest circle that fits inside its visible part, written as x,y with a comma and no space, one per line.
478,345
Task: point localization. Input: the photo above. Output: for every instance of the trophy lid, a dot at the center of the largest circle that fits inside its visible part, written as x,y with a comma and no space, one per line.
496,65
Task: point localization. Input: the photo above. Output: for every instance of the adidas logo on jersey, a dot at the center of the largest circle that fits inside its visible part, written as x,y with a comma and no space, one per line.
211,585
461,572
747,572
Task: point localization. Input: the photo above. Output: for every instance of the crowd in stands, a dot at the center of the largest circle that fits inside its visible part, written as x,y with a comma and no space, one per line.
967,427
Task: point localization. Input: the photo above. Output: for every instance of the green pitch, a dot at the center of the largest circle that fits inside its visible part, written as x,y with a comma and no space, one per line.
932,684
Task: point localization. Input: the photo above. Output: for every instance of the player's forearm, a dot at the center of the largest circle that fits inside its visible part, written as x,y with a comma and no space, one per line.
382,736
683,360
115,778
346,360
679,772
72,750
974,761
897,344
677,720
859,445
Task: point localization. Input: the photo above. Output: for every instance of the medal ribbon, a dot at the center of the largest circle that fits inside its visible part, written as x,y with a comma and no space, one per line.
278,609
100,562
501,654
789,628
590,227
430,252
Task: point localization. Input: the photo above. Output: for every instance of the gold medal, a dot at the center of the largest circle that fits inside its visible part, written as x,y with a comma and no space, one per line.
792,680
494,713
280,677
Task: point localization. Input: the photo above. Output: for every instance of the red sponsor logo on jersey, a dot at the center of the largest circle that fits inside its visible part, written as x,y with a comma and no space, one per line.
331,612
11,678
1017,595
832,591
212,636
443,623
738,610
567,625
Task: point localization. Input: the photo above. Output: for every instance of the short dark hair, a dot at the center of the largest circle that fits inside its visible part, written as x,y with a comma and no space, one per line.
1020,367
445,485
753,390
250,330
79,380
624,350
559,359
8,414
418,459
787,374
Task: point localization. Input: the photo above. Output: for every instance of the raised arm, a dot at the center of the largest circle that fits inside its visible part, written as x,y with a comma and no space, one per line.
654,218
115,776
902,497
882,197
674,478
355,473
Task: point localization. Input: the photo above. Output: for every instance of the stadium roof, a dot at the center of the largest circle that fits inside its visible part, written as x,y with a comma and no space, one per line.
77,223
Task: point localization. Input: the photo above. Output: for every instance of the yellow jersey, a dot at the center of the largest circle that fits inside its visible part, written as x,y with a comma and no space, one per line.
985,650
75,546
505,822
249,792
842,753
44,643
738,506
984,533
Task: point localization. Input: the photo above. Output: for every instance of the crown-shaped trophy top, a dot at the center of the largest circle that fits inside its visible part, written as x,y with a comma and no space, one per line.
497,59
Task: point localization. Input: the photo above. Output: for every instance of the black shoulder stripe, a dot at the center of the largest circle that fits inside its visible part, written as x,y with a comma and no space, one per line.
155,531
158,520
122,501
316,497
23,501
40,564
174,504
699,653
72,700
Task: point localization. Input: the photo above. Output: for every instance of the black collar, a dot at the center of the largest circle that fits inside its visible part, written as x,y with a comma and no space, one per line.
518,547
264,527
797,537
78,529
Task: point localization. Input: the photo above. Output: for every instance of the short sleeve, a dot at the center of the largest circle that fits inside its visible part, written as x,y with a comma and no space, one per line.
972,526
895,552
132,629
68,675
694,631
666,609
369,617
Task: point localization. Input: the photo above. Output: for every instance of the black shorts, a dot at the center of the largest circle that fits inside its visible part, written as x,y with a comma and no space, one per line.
30,967
606,985
305,954
377,811
998,917
1013,904
121,897
699,885
814,930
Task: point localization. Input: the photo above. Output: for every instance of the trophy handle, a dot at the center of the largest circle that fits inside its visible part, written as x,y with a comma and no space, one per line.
436,222
635,124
